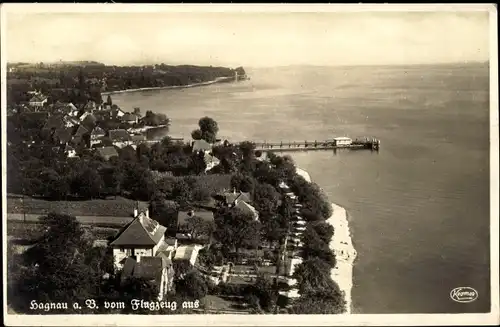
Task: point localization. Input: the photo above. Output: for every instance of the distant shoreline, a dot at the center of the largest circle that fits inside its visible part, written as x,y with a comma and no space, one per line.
217,80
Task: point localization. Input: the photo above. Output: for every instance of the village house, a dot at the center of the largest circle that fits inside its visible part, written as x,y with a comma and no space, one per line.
38,101
102,115
107,152
70,121
246,208
130,118
188,253
96,135
54,122
210,161
69,151
90,106
229,199
63,135
140,251
116,112
201,146
137,138
65,108
158,270
84,116
140,238
78,137
120,137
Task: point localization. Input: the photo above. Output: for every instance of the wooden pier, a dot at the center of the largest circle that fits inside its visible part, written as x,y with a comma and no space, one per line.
368,144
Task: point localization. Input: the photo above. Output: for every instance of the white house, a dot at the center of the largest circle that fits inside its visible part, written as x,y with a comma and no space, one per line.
70,151
140,238
38,100
120,137
210,161
201,145
342,141
187,253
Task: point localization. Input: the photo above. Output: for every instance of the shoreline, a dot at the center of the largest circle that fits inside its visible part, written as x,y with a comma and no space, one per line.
172,87
341,244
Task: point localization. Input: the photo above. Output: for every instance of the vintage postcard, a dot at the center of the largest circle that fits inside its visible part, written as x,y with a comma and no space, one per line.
187,165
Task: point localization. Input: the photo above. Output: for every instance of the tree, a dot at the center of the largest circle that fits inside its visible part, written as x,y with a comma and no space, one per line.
138,288
242,182
248,149
236,229
91,184
56,269
208,130
196,134
324,230
265,293
321,302
193,285
109,101
314,274
315,247
266,200
53,185
197,226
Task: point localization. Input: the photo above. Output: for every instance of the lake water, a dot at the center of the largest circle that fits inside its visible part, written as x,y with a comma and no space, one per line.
419,209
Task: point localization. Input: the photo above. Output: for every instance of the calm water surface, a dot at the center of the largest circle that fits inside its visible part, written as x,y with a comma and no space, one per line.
419,209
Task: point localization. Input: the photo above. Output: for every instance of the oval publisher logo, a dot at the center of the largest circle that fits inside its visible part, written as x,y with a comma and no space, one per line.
464,294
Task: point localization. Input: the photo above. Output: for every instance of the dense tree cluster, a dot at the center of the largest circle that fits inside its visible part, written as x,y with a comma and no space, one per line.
207,130
80,82
60,267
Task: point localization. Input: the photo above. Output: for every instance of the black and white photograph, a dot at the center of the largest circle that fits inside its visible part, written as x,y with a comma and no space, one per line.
187,165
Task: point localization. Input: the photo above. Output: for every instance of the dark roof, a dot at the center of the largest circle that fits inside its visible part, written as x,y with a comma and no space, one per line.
102,114
117,135
64,134
38,98
98,131
245,207
55,121
71,119
149,268
81,131
231,197
64,107
89,105
165,257
147,233
201,145
107,152
183,215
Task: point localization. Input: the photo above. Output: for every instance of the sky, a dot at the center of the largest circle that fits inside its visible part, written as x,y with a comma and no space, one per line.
249,39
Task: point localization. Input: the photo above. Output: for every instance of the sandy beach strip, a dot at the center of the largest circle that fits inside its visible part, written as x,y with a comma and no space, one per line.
341,244
172,87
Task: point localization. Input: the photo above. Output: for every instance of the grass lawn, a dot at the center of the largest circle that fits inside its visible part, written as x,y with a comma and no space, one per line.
119,207
32,230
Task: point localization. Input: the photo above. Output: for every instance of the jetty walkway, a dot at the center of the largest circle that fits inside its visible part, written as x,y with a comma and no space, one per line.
359,144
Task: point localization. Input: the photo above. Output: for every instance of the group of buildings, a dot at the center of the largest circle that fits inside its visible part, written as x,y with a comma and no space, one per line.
146,249
87,126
